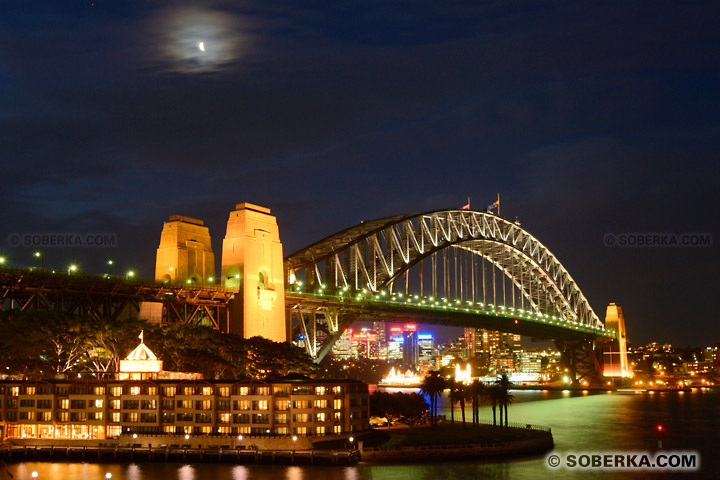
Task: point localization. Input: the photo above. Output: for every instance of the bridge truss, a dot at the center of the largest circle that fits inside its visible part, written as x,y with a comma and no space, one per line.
111,298
457,256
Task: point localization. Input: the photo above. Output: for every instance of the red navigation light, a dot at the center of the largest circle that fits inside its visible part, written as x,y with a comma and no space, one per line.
659,428
516,321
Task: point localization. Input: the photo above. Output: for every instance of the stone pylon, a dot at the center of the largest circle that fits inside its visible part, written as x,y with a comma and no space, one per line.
252,261
185,254
615,362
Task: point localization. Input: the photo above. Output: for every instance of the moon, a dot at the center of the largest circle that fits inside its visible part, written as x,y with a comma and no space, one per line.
201,46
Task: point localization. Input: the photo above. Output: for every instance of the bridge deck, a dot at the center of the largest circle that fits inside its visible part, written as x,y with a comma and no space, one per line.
455,313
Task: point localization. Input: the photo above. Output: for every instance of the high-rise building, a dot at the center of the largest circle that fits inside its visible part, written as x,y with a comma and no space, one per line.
381,330
343,346
410,346
479,341
426,348
365,345
530,362
395,347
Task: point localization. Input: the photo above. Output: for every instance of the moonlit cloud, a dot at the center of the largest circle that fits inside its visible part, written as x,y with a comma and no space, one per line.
179,32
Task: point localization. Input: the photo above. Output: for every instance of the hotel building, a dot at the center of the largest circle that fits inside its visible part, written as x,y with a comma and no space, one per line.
113,409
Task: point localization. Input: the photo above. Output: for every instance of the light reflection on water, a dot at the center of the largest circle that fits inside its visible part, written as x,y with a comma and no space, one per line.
580,421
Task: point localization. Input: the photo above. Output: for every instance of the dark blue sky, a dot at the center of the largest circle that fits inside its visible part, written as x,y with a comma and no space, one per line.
588,117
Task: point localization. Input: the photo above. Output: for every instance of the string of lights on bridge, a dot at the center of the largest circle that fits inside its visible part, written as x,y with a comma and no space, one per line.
433,303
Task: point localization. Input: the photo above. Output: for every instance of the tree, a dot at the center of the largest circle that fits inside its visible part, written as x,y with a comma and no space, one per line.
62,344
476,390
504,397
110,342
395,406
493,393
451,395
433,385
461,393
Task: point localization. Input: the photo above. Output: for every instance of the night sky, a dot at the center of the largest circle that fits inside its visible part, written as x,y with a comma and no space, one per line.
587,118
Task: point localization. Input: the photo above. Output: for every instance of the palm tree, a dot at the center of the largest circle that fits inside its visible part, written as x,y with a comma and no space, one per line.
461,392
433,385
476,391
451,386
505,398
494,397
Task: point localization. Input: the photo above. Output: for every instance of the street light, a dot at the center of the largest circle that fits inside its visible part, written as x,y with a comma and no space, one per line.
294,440
72,268
352,439
114,265
2,260
130,274
42,259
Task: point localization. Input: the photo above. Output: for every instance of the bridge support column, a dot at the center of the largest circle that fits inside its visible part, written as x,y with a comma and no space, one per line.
580,358
615,361
252,261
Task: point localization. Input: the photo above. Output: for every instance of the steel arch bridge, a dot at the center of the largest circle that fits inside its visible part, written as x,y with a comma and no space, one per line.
456,267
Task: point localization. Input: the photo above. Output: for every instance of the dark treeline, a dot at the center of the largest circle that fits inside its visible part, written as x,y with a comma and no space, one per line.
407,408
45,344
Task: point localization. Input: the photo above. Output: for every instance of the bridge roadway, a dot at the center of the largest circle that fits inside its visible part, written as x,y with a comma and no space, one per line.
427,310
110,298
107,297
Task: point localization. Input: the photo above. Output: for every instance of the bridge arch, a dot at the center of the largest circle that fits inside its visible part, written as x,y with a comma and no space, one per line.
378,254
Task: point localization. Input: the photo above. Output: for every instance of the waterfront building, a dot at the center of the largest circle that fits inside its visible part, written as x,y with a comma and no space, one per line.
111,409
530,362
479,341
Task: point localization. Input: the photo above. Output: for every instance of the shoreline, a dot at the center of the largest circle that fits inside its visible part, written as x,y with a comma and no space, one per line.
397,447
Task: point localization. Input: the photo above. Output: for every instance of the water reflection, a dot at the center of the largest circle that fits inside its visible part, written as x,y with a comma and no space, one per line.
454,471
294,473
240,473
186,472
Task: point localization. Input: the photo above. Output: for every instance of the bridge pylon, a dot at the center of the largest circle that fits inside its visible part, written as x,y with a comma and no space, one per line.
615,361
252,261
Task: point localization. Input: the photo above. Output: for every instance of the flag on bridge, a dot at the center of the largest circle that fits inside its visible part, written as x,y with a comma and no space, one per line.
495,204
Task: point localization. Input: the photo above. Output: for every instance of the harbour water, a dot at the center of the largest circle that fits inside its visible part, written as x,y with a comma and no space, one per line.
580,422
